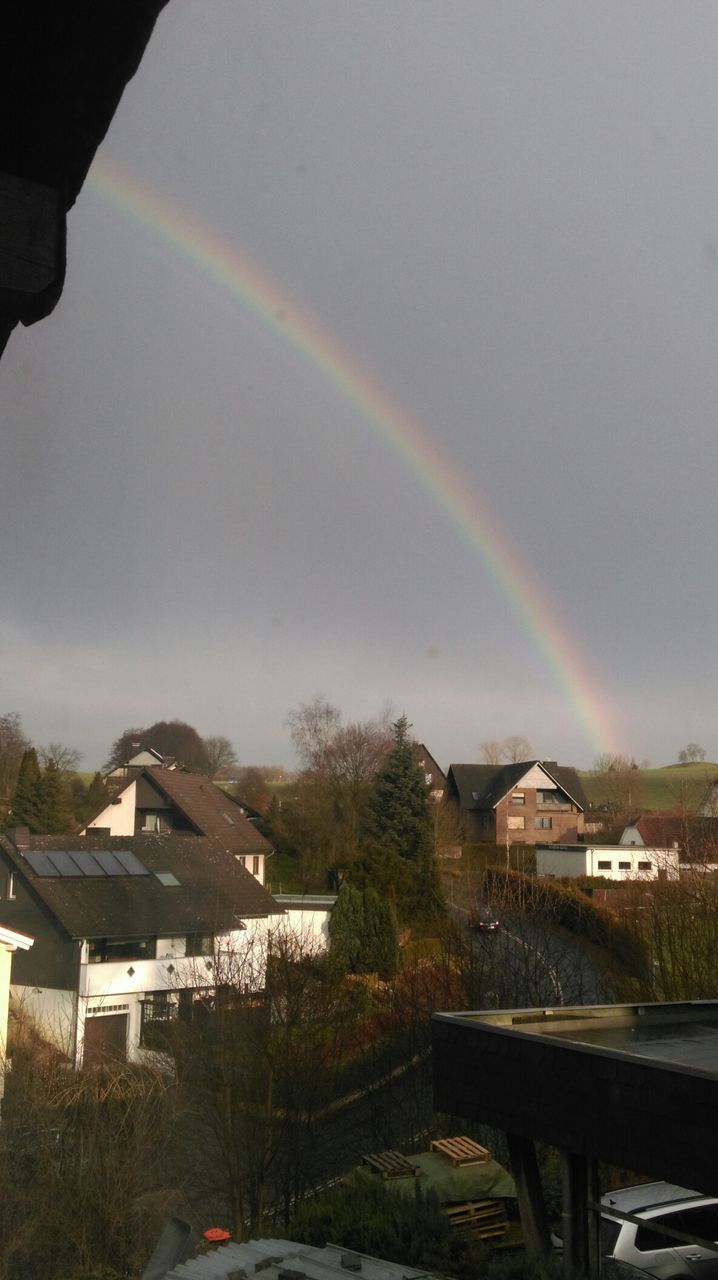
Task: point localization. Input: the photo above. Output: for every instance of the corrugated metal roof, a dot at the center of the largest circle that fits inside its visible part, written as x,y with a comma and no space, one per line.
274,1258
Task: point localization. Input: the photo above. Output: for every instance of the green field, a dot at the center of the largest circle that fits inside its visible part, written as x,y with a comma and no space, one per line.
677,786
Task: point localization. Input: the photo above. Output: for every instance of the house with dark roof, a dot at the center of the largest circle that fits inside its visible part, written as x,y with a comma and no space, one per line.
522,803
161,801
130,933
434,776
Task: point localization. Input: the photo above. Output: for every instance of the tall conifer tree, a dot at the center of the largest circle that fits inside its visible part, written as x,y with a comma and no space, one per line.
27,801
53,813
398,830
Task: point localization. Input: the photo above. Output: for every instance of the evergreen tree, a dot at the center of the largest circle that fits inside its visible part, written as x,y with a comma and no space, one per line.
53,816
26,801
87,802
381,935
398,832
364,932
346,928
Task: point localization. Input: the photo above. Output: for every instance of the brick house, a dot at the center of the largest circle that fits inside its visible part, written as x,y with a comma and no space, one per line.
533,800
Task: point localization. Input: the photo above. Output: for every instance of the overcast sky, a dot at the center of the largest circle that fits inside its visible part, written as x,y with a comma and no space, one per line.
508,214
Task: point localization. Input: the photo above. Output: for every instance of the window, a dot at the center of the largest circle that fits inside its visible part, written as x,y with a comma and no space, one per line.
543,824
516,822
241,859
255,865
100,949
155,823
200,944
624,866
158,1009
11,885
604,864
651,1237
645,866
518,798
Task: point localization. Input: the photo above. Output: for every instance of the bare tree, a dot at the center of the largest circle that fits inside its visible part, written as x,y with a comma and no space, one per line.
491,751
13,744
313,727
618,784
261,1069
220,754
323,820
516,748
92,1148
66,759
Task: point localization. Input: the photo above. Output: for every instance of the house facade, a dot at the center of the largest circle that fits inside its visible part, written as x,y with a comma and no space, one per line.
612,862
157,800
434,776
129,934
523,803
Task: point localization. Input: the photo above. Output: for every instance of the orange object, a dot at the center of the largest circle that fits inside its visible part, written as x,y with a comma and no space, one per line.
216,1235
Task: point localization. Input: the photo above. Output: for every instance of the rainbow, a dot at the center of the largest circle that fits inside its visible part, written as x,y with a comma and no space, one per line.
401,432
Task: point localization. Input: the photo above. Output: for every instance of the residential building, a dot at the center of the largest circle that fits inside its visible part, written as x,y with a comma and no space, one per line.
533,800
612,861
129,932
655,830
434,776
11,940
143,758
160,801
307,917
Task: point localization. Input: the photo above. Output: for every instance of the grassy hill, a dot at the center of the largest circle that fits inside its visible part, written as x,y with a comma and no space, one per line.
676,786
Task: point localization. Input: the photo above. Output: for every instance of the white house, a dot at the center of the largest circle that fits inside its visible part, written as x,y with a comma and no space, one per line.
129,934
162,801
613,862
11,940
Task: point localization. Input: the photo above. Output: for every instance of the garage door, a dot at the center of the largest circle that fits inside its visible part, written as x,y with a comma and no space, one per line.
106,1038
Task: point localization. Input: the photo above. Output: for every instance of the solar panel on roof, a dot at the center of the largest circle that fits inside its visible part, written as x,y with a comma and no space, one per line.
88,863
131,862
111,866
63,862
40,864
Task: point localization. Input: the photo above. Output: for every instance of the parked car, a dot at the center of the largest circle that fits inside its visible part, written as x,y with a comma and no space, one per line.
645,1244
484,918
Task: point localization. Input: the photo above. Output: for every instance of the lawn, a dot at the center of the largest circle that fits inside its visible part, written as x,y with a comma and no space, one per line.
676,786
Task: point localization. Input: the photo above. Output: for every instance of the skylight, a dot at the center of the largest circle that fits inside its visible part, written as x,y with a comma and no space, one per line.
227,818
166,878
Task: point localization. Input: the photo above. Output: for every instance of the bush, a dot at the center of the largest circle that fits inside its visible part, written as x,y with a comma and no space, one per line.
359,1213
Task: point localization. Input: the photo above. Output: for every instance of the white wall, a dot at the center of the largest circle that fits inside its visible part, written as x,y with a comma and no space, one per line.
306,920
624,862
120,817
52,1010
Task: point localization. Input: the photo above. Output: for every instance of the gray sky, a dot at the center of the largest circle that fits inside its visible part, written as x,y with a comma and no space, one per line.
508,213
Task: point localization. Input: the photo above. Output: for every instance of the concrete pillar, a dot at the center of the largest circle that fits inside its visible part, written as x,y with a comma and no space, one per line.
576,1261
534,1223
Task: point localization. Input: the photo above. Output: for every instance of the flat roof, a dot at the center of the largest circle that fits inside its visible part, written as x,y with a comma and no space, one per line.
684,1034
633,1084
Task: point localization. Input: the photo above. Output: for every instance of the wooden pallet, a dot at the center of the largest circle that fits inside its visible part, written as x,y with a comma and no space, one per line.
461,1150
391,1164
485,1219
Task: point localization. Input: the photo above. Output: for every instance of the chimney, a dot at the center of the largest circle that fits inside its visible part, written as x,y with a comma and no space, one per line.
20,837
